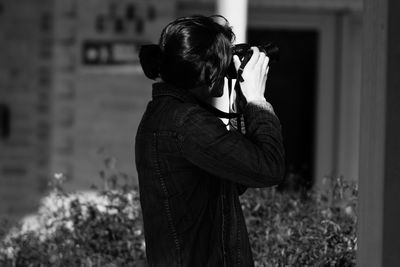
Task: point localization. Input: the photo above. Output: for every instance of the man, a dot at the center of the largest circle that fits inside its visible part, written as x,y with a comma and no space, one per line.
191,168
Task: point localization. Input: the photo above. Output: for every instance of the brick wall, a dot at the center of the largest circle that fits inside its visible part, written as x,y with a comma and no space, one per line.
25,78
98,107
56,113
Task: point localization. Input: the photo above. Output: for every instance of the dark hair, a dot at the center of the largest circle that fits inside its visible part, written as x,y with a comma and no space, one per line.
195,51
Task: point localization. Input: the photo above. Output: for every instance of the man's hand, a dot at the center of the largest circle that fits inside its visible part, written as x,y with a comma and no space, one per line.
255,76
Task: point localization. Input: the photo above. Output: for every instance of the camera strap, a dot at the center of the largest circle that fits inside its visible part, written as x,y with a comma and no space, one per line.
238,123
235,119
217,112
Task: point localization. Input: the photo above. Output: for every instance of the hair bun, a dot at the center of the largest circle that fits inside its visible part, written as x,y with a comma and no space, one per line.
150,58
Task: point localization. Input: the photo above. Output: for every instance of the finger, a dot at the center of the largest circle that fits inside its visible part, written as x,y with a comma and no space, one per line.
260,63
254,58
265,77
236,62
265,66
266,74
264,84
261,59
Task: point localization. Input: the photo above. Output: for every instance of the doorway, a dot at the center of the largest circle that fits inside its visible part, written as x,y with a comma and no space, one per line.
291,88
318,32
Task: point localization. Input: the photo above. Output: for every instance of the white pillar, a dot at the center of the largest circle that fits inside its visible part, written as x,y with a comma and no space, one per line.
236,13
379,183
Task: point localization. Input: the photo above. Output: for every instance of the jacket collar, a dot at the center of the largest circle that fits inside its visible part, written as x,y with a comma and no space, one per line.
165,89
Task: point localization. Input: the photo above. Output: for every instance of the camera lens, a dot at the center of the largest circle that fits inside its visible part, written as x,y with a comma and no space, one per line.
244,52
271,50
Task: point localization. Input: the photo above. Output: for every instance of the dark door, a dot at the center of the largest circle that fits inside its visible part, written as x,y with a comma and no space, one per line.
291,88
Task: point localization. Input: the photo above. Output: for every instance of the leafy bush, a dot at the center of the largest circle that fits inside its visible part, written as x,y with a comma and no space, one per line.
100,228
104,228
296,229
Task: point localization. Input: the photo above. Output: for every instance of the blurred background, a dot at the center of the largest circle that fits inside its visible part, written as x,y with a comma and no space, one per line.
72,91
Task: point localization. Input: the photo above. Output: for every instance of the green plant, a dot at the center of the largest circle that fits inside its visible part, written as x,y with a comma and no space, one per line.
293,229
96,228
104,227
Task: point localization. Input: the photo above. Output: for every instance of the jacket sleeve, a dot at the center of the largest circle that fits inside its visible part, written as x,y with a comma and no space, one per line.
255,159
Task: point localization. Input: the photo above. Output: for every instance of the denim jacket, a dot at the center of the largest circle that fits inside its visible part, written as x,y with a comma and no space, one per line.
191,172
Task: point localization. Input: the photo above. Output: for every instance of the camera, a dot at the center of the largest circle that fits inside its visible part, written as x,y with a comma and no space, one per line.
244,53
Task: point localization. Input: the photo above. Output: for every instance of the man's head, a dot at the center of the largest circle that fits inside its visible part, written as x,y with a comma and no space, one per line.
195,51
